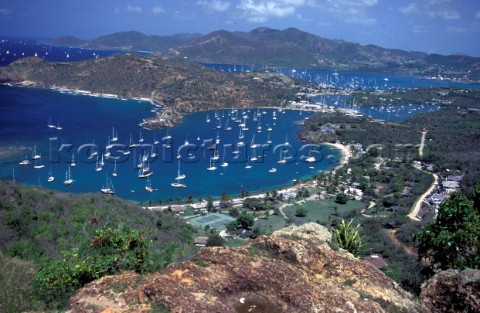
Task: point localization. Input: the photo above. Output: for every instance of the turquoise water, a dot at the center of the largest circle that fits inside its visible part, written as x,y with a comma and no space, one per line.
86,120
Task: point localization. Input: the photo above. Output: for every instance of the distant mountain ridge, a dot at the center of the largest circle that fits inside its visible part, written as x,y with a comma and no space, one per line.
291,48
132,41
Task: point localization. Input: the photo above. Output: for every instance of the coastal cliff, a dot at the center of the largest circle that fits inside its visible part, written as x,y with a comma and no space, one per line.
178,85
294,270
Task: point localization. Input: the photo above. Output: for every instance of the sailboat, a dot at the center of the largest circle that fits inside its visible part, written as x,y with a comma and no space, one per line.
131,144
38,165
155,142
25,161
248,166
50,176
144,172
180,176
268,139
140,139
114,173
108,188
310,158
272,170
253,145
167,136
224,164
282,159
68,177
114,135
148,186
226,125
98,167
215,155
212,166
73,161
58,127
35,156
208,119
50,125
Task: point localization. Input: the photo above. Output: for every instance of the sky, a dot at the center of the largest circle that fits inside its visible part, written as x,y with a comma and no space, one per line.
433,26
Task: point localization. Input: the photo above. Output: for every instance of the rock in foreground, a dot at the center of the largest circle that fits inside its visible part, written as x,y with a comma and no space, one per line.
291,271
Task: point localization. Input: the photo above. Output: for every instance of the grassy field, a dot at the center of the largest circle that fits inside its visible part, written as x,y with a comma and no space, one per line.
273,223
323,211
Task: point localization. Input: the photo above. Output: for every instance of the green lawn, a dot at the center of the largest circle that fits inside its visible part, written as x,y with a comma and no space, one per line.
273,223
322,210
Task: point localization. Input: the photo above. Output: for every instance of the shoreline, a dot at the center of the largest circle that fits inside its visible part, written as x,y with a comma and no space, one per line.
345,152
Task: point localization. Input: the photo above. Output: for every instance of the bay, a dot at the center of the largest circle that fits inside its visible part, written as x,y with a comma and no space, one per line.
86,120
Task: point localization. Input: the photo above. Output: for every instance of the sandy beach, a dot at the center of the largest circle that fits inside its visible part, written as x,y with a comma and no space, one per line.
345,153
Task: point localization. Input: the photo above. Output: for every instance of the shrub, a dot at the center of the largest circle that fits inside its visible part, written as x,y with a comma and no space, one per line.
348,237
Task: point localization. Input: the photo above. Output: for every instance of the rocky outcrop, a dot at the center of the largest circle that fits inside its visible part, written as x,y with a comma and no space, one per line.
294,270
452,291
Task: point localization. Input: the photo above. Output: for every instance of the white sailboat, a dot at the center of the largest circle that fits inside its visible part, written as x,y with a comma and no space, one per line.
253,145
108,189
180,176
248,166
131,144
167,136
114,135
50,176
272,170
38,165
224,164
148,186
310,158
208,119
226,126
35,156
25,161
73,161
212,166
282,159
140,139
50,125
68,178
58,127
268,139
114,173
145,172
98,167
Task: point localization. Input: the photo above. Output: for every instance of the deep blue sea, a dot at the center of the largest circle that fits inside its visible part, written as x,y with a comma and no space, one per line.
88,122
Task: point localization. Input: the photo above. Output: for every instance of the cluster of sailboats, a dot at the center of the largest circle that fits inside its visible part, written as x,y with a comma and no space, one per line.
226,121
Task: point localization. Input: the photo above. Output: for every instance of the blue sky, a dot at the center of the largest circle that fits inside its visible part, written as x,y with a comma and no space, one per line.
434,26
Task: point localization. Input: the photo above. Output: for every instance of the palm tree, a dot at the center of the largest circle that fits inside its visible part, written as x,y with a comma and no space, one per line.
189,199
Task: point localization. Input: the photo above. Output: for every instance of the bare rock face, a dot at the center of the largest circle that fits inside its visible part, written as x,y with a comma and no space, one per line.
452,291
293,270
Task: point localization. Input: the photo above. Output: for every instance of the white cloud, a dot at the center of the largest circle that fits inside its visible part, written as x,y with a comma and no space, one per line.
215,5
352,11
5,12
409,9
444,14
441,9
158,10
452,29
134,9
258,11
419,30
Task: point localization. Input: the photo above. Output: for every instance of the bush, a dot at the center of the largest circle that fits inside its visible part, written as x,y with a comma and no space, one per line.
215,240
301,212
341,198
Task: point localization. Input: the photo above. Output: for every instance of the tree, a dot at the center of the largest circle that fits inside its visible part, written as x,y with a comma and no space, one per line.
341,198
348,237
215,240
210,205
301,212
245,220
452,240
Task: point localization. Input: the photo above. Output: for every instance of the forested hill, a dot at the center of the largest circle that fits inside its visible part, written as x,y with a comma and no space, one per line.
181,84
288,47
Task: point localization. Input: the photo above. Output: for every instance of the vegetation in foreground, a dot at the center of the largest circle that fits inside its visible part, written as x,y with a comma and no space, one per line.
105,235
